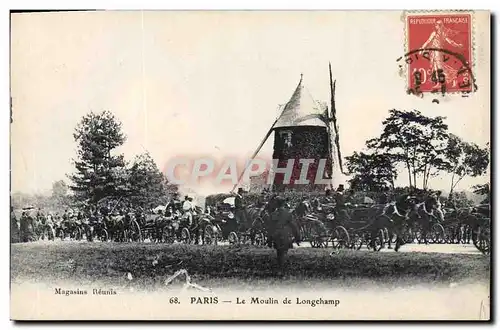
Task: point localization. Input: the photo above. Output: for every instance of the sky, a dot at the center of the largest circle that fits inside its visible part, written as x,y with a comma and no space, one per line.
211,83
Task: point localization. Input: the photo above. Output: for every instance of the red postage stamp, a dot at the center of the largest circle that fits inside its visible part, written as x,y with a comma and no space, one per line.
439,53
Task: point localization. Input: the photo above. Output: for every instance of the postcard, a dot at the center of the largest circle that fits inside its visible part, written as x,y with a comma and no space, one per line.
250,165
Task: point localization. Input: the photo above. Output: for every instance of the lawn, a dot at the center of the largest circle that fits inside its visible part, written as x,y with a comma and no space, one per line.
150,264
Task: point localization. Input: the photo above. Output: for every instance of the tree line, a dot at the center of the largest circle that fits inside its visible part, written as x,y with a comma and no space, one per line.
424,147
102,174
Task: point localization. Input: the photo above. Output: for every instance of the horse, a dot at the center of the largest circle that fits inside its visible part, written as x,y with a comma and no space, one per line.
394,217
423,215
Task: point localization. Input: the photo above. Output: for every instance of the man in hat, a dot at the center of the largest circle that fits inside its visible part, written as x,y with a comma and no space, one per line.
187,208
26,227
14,228
340,206
328,196
239,208
437,206
279,219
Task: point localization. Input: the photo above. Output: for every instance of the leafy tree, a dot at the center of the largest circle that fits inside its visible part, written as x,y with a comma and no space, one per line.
484,190
98,172
414,140
465,159
460,200
147,183
481,189
371,172
59,188
60,193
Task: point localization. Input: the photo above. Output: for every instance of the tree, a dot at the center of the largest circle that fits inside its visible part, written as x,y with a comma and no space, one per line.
59,189
98,172
484,190
460,200
147,183
481,189
60,193
372,172
464,159
414,140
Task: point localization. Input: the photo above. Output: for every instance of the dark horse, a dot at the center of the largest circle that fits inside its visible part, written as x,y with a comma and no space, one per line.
394,217
423,216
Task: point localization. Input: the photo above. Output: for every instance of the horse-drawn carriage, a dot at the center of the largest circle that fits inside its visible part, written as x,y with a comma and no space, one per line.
228,223
481,228
350,227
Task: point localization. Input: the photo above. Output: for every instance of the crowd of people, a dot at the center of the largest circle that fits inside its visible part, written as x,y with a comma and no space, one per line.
186,211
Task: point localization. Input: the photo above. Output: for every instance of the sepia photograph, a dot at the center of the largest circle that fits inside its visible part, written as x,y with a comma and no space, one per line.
250,165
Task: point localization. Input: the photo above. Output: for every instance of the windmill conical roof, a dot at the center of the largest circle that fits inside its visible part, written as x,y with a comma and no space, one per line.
301,110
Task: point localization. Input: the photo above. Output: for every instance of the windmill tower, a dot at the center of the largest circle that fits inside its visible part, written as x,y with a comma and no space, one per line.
302,133
305,132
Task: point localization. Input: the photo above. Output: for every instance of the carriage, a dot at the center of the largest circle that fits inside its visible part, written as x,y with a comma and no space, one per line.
222,207
481,228
351,229
123,228
157,228
203,227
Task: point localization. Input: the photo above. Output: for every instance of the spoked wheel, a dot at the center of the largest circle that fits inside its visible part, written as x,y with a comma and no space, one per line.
318,235
103,235
135,233
318,241
340,238
208,235
232,238
185,236
436,234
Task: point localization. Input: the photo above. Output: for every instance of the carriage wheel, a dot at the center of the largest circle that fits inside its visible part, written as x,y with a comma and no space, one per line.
340,238
318,235
103,235
208,237
232,238
134,233
436,234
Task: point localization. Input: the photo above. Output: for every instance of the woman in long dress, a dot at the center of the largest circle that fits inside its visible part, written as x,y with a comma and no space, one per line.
441,38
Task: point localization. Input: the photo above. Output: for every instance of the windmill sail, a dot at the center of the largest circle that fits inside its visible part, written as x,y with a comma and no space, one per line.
337,167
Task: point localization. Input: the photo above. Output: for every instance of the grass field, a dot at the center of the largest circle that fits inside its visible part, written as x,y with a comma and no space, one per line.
150,264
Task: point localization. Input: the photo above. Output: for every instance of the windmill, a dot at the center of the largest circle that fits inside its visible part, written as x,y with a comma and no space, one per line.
305,130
